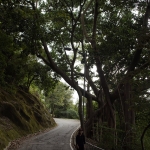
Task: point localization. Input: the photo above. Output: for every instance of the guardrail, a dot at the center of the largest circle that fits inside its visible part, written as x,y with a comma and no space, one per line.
92,147
88,146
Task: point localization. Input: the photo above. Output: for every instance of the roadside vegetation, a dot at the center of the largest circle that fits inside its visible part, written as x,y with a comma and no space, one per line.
59,102
21,113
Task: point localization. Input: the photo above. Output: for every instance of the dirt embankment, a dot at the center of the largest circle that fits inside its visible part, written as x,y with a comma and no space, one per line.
21,114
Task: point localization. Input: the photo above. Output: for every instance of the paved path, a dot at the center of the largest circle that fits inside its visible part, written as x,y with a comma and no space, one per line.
55,139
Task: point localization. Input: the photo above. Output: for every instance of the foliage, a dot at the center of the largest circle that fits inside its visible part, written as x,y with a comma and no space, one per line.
59,99
18,66
70,113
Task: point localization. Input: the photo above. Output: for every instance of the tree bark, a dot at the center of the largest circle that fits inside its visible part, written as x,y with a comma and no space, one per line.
89,110
142,136
129,116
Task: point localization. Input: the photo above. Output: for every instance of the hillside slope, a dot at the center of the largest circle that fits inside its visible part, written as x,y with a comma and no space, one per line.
21,114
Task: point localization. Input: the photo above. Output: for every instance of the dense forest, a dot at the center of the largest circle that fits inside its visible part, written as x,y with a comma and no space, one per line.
104,44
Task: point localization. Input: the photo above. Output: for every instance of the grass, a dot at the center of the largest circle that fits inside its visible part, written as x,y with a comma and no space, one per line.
21,114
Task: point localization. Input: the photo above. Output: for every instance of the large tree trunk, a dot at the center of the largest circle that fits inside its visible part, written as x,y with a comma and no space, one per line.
89,112
80,108
129,117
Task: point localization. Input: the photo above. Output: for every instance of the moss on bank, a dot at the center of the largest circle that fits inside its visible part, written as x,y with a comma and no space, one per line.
21,114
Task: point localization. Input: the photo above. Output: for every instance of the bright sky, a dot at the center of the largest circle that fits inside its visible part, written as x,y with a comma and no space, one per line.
75,97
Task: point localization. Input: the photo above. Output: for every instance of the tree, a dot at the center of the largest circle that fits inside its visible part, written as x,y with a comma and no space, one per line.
117,43
20,68
59,99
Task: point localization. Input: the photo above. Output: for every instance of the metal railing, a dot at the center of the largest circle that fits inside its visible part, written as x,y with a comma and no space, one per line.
88,146
92,147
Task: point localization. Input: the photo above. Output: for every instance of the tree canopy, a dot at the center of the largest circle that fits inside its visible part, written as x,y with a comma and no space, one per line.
59,101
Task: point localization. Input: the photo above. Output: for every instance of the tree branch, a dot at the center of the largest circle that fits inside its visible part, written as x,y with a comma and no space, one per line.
136,57
83,23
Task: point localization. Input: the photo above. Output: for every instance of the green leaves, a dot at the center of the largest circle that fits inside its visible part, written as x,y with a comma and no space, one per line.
59,98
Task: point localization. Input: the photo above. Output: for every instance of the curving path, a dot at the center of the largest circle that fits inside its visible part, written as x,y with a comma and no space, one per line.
55,139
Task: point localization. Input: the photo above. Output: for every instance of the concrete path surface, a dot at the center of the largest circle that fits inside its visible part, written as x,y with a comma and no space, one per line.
56,139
